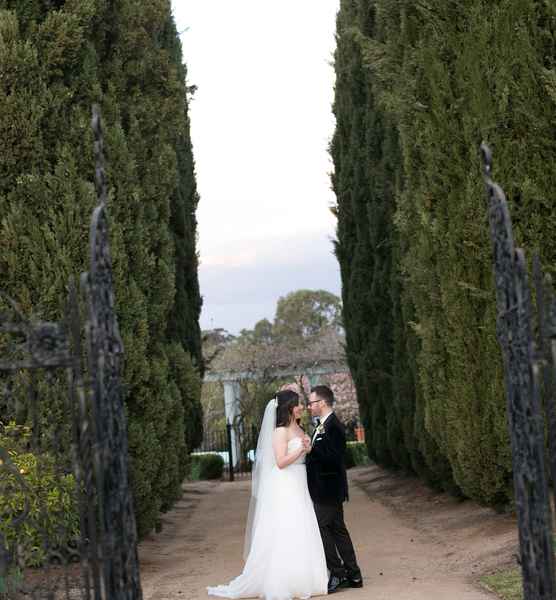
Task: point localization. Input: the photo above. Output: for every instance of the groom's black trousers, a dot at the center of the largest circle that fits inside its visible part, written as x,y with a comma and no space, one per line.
336,541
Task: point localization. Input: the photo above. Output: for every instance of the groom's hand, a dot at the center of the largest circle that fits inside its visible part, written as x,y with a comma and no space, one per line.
307,443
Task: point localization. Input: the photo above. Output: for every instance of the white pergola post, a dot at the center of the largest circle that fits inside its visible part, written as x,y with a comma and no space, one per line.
232,410
231,379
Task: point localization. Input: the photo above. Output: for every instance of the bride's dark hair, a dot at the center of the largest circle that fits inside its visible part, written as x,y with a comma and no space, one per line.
287,400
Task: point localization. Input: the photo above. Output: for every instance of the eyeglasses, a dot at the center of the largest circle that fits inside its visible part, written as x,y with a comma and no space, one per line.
313,401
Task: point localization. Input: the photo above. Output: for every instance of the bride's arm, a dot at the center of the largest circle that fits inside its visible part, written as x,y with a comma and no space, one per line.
280,447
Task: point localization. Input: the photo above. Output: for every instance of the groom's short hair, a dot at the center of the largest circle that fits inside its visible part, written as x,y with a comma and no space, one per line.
324,392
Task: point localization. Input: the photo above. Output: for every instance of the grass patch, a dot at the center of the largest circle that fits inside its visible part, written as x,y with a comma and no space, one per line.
507,584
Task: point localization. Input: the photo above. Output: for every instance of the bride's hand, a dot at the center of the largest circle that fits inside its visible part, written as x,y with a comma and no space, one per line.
307,443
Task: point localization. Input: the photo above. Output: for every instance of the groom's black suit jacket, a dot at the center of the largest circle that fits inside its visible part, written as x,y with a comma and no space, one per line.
326,469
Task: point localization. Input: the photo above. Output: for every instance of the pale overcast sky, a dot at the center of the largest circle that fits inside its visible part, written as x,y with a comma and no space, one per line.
261,122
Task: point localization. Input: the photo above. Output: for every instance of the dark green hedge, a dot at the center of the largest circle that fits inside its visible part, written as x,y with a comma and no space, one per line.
419,86
206,466
56,60
356,454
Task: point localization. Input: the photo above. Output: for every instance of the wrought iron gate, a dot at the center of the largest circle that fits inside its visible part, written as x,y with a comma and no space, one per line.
529,362
67,526
242,445
236,444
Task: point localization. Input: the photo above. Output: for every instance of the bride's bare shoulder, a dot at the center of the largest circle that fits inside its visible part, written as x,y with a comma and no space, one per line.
281,433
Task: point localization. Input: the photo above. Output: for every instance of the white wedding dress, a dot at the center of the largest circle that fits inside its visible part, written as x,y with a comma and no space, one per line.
286,556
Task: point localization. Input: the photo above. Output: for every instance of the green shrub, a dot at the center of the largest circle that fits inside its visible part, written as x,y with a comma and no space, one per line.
206,466
356,454
56,60
11,583
49,497
418,86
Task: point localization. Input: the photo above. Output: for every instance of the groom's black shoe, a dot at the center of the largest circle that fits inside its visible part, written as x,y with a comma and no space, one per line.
355,582
335,583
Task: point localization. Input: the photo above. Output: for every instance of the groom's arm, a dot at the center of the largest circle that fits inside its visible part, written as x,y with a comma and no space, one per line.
330,449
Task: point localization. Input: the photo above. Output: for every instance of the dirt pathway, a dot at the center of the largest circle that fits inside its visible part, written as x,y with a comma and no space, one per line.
411,544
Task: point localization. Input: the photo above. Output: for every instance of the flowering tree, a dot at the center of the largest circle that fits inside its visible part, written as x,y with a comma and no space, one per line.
306,334
342,386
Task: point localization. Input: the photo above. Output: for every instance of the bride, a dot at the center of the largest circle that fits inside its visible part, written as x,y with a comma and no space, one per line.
283,552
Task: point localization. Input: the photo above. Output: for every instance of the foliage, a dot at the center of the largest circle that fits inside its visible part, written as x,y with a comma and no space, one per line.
243,354
302,315
11,583
419,85
366,156
206,466
47,496
356,454
262,333
301,318
342,386
212,401
183,323
305,333
254,396
56,59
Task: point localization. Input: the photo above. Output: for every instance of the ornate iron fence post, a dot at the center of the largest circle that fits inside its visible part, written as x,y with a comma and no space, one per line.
230,450
525,419
77,441
546,307
117,527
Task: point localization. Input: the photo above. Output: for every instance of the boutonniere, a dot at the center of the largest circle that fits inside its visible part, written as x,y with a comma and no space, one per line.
319,430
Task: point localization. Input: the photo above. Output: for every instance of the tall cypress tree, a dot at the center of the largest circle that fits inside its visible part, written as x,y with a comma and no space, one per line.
362,150
184,322
444,76
55,62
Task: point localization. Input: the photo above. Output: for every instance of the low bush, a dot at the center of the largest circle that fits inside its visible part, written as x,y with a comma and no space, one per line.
206,466
356,454
37,502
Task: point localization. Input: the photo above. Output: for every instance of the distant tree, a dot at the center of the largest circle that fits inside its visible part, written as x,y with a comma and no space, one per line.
261,333
306,332
212,400
303,314
216,336
214,341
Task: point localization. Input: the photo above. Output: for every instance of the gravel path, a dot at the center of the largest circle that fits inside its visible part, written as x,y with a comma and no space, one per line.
412,544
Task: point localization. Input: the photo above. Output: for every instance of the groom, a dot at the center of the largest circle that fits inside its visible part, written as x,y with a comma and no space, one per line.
327,479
